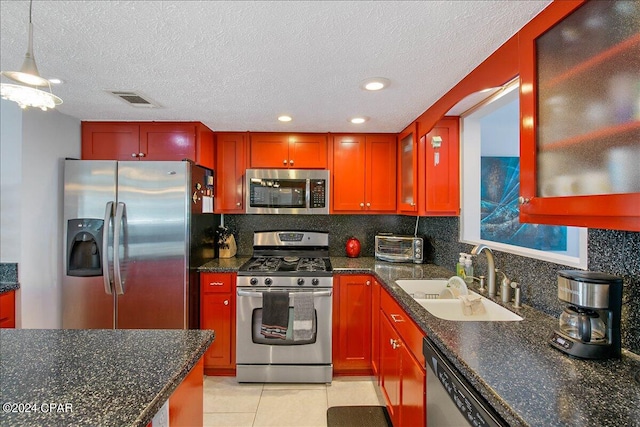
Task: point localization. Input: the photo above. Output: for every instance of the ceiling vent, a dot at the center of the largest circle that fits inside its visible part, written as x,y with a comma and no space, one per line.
134,99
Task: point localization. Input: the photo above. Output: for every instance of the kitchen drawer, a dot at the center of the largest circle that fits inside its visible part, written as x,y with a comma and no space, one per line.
216,282
409,332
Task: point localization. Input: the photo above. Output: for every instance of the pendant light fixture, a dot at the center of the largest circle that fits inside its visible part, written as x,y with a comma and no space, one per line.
28,93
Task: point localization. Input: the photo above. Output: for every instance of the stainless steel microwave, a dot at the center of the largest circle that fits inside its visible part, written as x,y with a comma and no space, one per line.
287,191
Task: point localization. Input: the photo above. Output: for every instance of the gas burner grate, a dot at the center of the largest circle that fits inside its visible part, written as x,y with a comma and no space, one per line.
265,264
311,264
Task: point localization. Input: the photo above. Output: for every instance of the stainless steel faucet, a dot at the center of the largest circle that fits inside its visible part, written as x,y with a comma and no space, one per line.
491,268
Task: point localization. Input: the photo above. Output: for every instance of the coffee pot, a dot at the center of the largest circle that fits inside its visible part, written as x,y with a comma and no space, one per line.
589,326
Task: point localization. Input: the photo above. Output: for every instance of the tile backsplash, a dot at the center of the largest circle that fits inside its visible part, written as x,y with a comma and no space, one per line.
609,251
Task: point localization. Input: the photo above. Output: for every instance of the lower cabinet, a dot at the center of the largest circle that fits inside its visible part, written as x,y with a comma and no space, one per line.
186,404
8,309
217,312
401,374
375,327
352,324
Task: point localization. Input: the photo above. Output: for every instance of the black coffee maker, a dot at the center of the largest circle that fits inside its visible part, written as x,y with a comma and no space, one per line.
589,326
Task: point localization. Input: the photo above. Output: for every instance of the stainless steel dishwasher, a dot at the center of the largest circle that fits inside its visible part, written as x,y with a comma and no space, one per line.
451,401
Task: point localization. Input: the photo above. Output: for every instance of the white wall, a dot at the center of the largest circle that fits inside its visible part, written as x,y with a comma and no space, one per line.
10,180
47,138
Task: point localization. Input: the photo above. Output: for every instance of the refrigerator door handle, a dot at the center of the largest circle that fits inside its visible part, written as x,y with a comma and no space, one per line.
120,223
108,214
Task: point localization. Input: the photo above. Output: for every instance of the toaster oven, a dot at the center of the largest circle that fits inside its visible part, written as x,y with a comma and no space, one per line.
395,248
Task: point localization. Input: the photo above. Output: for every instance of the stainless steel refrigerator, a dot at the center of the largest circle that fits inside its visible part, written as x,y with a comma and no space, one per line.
134,234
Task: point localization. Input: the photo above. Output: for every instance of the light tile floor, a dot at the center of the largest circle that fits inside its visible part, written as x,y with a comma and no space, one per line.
229,404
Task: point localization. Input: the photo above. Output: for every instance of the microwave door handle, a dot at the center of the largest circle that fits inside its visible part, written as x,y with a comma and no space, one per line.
307,195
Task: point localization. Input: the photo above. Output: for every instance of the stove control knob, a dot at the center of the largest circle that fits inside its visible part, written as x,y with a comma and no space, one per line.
253,281
315,282
300,281
268,281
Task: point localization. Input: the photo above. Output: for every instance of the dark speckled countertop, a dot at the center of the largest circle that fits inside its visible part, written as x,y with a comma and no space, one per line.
8,277
100,377
528,382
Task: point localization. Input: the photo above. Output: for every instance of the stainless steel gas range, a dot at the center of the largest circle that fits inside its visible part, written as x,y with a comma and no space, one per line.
284,309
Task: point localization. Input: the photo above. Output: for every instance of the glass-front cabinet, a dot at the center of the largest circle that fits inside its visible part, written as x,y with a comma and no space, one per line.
408,170
580,115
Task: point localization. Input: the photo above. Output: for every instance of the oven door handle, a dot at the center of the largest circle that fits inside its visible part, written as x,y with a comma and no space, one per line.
243,293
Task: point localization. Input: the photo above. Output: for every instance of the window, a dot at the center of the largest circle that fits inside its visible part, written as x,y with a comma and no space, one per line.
490,165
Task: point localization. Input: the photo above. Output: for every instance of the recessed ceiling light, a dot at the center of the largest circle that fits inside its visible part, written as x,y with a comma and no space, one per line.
55,81
358,120
285,118
375,83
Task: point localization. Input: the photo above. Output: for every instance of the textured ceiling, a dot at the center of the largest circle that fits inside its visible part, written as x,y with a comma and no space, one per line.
238,65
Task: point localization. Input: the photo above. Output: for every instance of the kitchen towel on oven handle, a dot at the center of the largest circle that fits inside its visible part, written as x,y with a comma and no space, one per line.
275,314
303,314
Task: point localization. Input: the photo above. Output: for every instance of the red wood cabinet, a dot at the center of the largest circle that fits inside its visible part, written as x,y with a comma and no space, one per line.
408,172
442,148
375,327
217,312
352,324
579,149
282,151
8,309
390,368
186,404
402,375
148,141
364,174
428,177
231,160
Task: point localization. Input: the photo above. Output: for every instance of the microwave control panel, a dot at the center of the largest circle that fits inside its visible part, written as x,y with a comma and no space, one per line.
317,188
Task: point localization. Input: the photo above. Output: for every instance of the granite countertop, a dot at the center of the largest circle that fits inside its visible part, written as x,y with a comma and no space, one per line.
8,277
93,377
512,366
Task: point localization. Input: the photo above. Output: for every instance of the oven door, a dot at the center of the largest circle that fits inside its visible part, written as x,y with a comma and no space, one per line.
255,349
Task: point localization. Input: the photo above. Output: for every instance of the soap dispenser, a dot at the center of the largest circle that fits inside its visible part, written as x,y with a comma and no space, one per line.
468,269
460,266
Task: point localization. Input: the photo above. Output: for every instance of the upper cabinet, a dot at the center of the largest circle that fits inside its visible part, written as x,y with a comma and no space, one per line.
231,161
442,172
364,173
580,116
285,151
408,155
428,173
148,141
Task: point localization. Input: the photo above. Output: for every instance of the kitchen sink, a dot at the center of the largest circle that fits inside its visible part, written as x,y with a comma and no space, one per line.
427,286
452,309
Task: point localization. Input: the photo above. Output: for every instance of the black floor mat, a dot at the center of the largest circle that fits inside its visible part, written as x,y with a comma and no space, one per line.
358,416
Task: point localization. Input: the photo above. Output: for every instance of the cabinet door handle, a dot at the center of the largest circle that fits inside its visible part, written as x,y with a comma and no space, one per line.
291,162
368,283
239,204
284,162
368,204
226,302
134,154
397,318
140,154
362,205
523,200
216,283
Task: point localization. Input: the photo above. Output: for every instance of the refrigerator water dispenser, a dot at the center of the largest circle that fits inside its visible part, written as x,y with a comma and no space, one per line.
84,243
